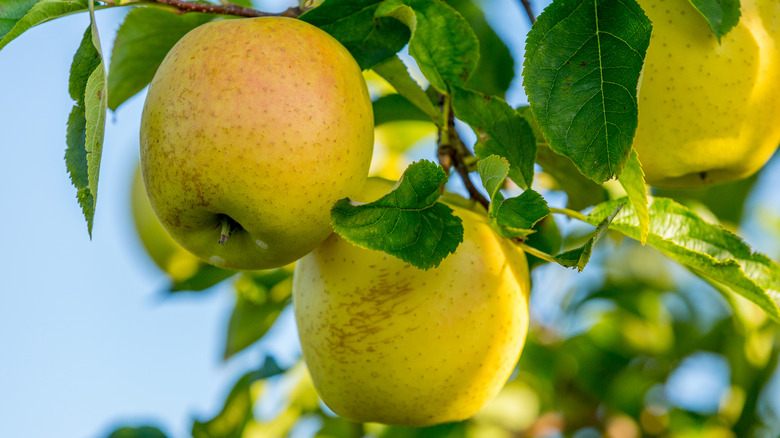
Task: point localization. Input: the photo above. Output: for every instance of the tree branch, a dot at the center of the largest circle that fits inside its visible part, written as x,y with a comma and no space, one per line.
453,153
227,9
528,11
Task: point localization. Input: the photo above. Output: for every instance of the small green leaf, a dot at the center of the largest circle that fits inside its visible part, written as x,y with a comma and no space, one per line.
395,107
40,12
86,123
396,74
500,131
205,277
137,432
95,112
244,3
76,162
261,298
633,181
546,238
708,250
446,430
582,68
581,191
727,201
370,40
11,11
523,211
406,223
237,410
442,43
85,61
143,40
496,68
579,257
721,15
513,217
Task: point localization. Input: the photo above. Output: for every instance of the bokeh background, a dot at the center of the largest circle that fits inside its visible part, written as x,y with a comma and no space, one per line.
89,340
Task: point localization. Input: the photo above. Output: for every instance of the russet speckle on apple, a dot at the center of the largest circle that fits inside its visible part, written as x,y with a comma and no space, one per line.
252,129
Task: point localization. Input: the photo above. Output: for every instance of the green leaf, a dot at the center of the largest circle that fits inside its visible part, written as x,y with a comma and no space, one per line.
143,40
394,107
708,250
513,217
85,61
581,191
442,43
726,201
546,238
396,74
633,181
95,113
205,277
496,68
721,15
261,298
370,40
86,123
500,131
244,3
237,410
40,12
579,257
76,162
137,432
447,430
11,11
406,223
582,67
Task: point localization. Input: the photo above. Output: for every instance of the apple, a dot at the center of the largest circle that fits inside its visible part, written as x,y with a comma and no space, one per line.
168,255
252,129
709,112
389,343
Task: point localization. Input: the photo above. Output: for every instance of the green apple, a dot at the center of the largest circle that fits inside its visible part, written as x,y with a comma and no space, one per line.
168,255
709,112
252,129
389,343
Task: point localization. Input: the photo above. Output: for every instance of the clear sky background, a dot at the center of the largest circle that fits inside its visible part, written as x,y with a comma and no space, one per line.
85,341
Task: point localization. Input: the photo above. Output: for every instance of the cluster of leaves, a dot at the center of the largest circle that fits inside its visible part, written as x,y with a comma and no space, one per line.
583,59
582,67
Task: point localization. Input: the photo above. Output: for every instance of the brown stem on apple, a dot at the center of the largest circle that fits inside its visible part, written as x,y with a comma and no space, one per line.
453,153
227,229
528,11
228,9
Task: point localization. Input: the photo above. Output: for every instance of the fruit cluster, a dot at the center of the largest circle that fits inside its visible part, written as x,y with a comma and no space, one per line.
251,131
254,128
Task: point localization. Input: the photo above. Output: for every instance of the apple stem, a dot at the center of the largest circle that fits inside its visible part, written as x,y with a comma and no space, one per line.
226,230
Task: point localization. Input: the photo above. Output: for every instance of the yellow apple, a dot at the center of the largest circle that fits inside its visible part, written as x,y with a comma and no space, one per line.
252,129
389,343
168,255
709,112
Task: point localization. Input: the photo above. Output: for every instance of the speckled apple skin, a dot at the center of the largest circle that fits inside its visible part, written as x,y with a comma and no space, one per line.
265,120
386,342
708,112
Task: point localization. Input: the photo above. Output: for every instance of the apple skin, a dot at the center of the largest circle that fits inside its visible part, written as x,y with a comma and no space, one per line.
168,255
389,343
263,123
708,112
